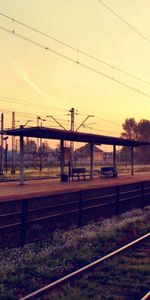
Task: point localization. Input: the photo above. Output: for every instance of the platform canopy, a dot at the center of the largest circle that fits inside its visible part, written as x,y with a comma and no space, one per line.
67,135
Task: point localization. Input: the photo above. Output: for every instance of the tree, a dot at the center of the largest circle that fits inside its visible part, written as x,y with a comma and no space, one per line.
46,147
130,132
130,129
137,131
30,146
143,132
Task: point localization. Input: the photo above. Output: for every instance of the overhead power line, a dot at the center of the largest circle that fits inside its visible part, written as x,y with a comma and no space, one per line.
100,130
77,50
111,77
23,102
116,80
63,121
100,118
106,120
124,21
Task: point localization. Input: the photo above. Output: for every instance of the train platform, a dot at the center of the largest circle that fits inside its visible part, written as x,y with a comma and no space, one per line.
10,191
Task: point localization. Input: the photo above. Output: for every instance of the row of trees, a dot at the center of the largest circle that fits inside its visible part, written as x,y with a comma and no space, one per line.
139,131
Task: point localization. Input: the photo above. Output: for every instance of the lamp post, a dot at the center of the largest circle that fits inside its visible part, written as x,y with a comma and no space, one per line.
41,119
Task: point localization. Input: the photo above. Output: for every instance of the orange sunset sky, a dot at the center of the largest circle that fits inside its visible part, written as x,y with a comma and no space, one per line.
52,84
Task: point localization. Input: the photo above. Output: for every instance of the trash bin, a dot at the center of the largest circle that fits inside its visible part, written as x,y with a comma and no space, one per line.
64,177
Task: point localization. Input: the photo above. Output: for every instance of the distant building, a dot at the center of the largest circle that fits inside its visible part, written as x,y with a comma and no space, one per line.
108,158
82,154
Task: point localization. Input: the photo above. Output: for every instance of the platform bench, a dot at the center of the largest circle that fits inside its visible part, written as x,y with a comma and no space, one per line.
80,174
108,172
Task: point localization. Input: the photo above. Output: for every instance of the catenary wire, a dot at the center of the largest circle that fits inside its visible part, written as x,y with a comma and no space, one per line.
124,21
15,100
71,47
74,61
34,115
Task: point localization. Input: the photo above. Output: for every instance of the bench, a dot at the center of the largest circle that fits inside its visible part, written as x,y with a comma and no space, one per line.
108,172
80,174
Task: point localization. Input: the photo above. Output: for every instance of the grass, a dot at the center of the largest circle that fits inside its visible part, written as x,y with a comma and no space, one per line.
31,173
23,270
54,171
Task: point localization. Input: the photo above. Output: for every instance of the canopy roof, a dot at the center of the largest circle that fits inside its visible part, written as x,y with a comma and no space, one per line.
57,134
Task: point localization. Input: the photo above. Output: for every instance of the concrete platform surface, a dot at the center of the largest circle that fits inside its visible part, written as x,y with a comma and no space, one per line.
10,191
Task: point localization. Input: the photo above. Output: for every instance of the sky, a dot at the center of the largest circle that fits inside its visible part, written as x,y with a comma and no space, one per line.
35,81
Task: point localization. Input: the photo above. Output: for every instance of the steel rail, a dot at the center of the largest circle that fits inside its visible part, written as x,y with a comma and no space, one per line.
146,297
80,271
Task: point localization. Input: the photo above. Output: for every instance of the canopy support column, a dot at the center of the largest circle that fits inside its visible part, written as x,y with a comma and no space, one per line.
132,160
21,160
91,160
114,156
62,156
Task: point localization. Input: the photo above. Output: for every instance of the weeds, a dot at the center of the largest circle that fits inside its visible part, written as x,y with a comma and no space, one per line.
25,269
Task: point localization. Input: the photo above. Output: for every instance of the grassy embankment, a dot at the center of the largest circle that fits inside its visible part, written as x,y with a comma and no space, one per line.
26,269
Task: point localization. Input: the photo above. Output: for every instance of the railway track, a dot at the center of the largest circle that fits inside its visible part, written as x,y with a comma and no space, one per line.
58,283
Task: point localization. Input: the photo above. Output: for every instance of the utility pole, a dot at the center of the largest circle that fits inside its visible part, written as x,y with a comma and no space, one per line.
72,111
13,145
2,144
72,114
